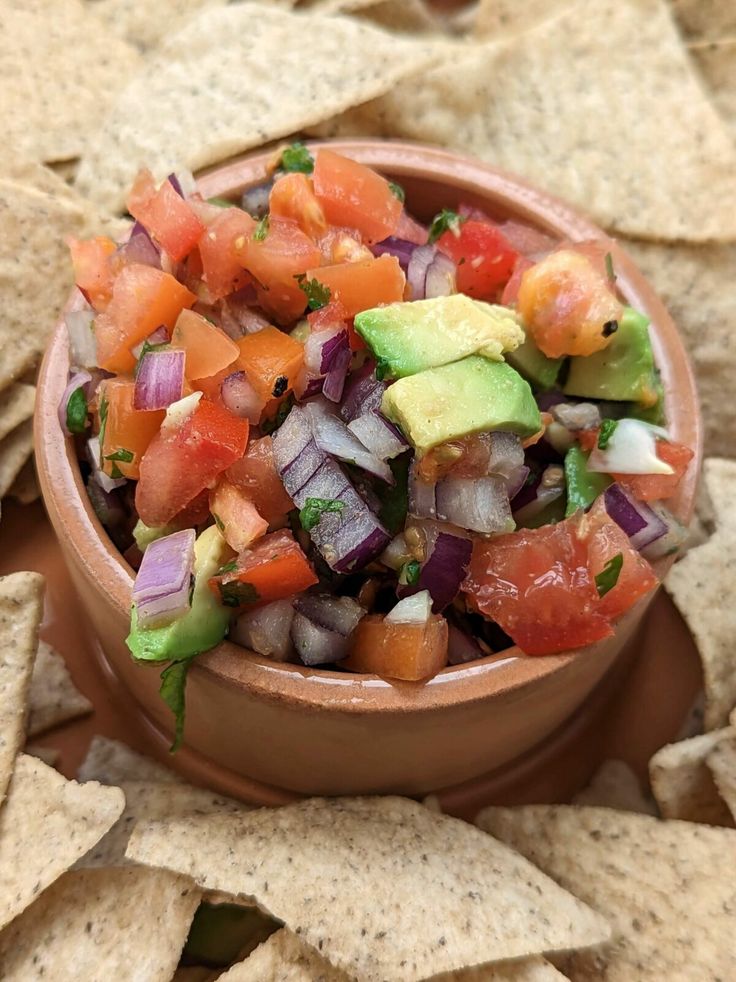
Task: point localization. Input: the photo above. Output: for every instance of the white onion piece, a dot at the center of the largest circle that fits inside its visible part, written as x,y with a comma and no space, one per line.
241,398
333,436
378,435
478,504
559,437
632,449
411,610
180,411
266,630
316,645
507,453
396,553
82,344
440,278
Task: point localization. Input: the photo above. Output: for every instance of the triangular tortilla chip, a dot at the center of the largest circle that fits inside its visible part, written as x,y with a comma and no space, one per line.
667,887
615,785
431,892
54,697
146,24
236,77
722,764
701,584
25,487
46,824
705,19
717,62
112,762
499,18
552,105
683,783
16,406
15,451
21,609
111,924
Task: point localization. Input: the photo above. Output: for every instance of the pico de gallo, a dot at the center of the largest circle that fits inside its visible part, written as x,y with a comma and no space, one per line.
347,439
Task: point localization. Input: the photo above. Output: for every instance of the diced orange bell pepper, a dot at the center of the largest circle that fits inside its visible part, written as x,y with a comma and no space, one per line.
271,360
208,349
92,271
127,431
362,285
236,515
273,569
398,651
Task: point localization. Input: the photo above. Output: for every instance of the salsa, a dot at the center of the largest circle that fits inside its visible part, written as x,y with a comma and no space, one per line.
346,439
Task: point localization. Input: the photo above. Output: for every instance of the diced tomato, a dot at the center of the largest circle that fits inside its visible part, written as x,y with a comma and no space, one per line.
511,290
605,541
410,230
92,271
588,439
342,245
168,218
236,515
399,651
222,271
143,298
271,360
334,315
565,303
292,196
181,462
528,241
208,350
256,474
195,513
359,286
275,260
274,568
355,196
536,584
484,258
126,430
656,487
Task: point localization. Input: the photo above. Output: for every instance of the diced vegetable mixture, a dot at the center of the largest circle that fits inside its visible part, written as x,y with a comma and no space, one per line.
345,439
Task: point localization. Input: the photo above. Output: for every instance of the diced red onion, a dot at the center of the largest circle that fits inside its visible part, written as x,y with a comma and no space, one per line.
479,504
241,398
334,382
516,481
416,274
576,416
443,571
672,539
139,249
333,436
82,343
106,482
360,542
309,386
316,645
401,248
159,336
507,453
77,381
461,648
440,279
411,610
339,614
163,584
547,400
159,381
176,185
363,393
255,200
534,498
640,522
237,316
422,495
266,630
107,505
378,435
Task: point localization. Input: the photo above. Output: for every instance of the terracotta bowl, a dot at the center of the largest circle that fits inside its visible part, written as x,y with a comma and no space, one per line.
266,730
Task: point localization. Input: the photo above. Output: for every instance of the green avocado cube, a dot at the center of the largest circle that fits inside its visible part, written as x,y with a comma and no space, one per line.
583,486
474,395
535,366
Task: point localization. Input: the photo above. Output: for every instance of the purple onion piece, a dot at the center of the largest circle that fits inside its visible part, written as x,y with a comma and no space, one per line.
333,436
332,347
516,481
78,380
82,343
416,274
507,453
241,398
339,614
159,336
444,570
139,248
309,386
255,200
535,497
314,644
266,630
440,278
162,586
461,648
670,542
334,382
363,393
401,248
368,538
379,435
176,185
422,494
159,380
546,400
640,522
478,504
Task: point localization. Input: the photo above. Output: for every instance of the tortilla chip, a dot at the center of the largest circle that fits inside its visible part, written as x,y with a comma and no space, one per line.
701,584
409,16
54,698
15,451
194,973
717,63
65,67
216,92
430,892
722,764
152,801
498,18
46,824
705,19
21,610
112,762
49,755
683,782
25,487
696,285
16,406
615,785
552,105
102,924
666,887
146,24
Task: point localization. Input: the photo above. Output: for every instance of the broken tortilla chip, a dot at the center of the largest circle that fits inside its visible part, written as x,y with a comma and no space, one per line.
705,19
21,610
145,25
499,18
433,894
101,924
54,698
615,785
717,63
25,487
16,406
666,887
722,763
46,824
683,783
15,451
701,584
49,755
112,762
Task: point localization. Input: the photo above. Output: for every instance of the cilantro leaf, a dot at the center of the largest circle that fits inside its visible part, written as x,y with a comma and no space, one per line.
261,230
397,191
608,428
173,693
76,411
395,499
608,577
228,567
446,221
126,456
318,295
409,574
235,593
315,508
271,425
610,272
103,425
297,158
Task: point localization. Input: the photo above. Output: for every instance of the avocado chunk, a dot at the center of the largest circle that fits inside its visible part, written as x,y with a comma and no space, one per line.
623,371
583,486
474,395
206,622
407,338
536,367
144,534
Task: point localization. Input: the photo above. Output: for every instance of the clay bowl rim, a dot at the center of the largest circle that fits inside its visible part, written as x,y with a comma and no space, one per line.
316,689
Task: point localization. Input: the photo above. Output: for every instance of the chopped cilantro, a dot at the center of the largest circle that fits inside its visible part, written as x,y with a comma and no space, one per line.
446,221
318,295
173,693
297,158
382,369
221,202
271,425
395,499
261,229
610,272
397,191
123,455
228,567
315,508
608,577
409,574
608,428
103,424
219,523
76,411
236,593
